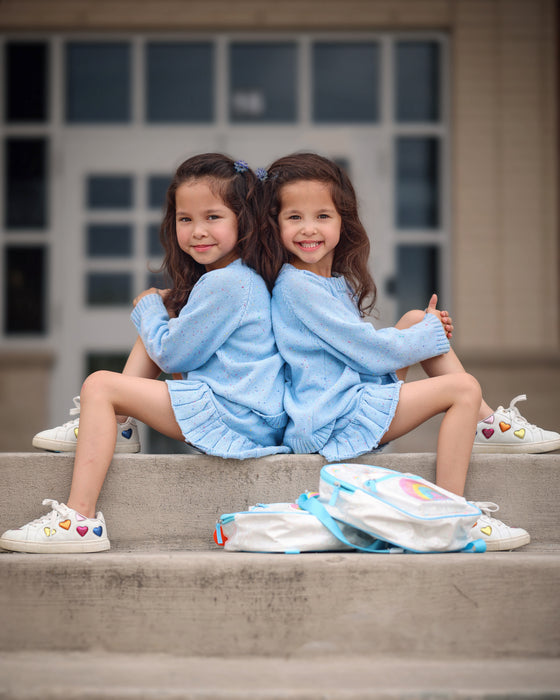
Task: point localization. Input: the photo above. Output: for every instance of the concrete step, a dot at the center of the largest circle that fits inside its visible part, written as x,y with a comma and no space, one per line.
225,604
173,501
101,676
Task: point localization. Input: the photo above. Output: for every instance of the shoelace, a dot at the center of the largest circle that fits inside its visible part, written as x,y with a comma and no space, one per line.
73,412
55,507
513,414
487,507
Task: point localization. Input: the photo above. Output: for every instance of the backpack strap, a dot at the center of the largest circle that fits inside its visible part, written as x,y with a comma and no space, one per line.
312,505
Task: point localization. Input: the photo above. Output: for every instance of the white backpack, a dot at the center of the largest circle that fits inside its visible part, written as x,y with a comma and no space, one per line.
278,527
402,510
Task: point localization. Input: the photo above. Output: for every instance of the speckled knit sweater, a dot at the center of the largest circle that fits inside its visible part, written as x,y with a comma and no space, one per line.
229,402
341,388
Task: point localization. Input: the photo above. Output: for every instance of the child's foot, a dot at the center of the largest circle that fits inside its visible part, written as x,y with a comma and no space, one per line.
64,438
507,431
497,535
61,531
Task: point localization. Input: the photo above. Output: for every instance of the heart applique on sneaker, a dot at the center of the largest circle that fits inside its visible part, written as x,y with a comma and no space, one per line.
127,433
515,434
54,532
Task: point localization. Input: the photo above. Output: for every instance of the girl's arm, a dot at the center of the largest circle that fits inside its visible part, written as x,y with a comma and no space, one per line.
341,332
215,309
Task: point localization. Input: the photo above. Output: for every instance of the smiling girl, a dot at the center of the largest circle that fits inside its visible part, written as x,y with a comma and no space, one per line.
345,394
213,328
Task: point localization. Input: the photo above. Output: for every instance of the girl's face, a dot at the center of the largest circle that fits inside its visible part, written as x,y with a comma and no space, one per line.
309,225
206,227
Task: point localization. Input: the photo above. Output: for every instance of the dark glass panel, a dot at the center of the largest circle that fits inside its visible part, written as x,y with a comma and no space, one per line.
418,180
180,82
26,183
25,289
345,82
27,82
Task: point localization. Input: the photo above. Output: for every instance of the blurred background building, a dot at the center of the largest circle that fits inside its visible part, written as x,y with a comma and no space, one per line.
444,112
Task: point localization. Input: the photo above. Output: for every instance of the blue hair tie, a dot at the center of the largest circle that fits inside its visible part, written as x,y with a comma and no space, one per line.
261,174
241,166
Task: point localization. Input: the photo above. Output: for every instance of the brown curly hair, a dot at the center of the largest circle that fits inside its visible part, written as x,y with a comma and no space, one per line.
352,252
235,189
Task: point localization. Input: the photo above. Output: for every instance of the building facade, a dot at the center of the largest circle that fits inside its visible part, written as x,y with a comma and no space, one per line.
444,112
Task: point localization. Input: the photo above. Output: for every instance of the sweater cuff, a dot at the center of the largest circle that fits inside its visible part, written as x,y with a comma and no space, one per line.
442,342
150,301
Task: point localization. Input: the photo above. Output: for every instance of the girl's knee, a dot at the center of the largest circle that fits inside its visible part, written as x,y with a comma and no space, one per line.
469,388
97,383
410,318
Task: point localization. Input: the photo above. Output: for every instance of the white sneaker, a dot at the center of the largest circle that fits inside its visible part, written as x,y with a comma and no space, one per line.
507,431
497,535
63,530
64,438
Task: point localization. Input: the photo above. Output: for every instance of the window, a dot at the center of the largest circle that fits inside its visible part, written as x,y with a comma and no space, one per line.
26,183
345,82
263,82
98,85
26,290
180,79
27,82
417,81
417,186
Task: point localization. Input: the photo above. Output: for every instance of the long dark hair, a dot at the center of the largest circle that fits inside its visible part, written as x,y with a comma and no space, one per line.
235,187
352,252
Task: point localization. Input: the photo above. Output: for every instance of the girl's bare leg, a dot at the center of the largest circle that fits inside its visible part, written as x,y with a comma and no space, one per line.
459,396
104,395
439,365
139,363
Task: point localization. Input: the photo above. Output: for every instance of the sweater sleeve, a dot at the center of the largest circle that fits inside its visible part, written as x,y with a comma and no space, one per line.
214,310
355,342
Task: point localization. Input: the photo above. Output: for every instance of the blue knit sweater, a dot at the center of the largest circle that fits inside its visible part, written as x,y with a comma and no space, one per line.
341,389
229,402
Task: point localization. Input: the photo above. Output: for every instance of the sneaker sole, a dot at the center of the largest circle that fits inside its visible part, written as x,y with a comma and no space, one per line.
61,548
510,543
528,449
62,446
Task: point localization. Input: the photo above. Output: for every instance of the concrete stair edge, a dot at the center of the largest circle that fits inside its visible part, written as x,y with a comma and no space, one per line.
169,499
491,605
99,676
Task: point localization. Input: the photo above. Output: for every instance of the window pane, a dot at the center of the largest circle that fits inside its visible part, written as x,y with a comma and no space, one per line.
97,82
26,86
157,190
109,192
154,246
109,240
25,292
26,183
345,82
109,288
417,182
418,81
180,83
417,276
263,82
159,280
111,361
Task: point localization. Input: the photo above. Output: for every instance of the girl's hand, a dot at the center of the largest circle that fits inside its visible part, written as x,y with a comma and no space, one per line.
444,317
145,293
